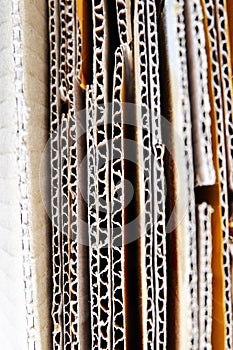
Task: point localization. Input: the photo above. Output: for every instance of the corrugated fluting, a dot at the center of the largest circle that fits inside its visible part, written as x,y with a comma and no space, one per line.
116,175
141,156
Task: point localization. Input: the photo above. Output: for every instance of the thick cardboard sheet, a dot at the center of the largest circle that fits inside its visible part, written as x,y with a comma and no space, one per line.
12,267
25,115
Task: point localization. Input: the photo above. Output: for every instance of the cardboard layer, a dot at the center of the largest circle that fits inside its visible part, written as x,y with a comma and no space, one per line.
26,103
218,196
131,274
226,82
180,226
118,203
55,174
204,212
124,20
144,159
199,97
12,268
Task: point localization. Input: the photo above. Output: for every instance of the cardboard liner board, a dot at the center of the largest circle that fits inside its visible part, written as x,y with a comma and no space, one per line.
204,212
200,105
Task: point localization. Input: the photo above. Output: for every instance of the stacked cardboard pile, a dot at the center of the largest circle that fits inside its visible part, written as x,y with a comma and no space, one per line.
141,156
138,169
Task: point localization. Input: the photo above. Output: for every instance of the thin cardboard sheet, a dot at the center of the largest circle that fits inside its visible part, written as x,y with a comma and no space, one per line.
144,156
100,98
12,267
204,212
198,85
226,82
31,90
160,273
118,200
221,275
55,174
92,218
182,281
